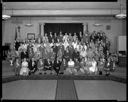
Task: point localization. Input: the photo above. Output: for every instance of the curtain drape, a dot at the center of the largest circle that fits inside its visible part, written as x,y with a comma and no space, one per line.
63,27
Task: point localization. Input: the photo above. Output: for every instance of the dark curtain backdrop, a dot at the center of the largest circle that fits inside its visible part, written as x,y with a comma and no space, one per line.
63,27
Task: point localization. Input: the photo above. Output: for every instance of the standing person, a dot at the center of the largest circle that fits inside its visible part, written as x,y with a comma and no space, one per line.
71,49
66,44
55,37
60,37
86,38
70,38
80,36
55,48
17,44
30,51
74,37
83,53
74,44
50,37
24,54
24,68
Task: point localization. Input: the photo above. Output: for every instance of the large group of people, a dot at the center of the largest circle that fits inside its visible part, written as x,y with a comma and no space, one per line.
63,53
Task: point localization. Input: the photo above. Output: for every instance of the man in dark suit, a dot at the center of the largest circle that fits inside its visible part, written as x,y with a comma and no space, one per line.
24,54
47,66
32,66
57,65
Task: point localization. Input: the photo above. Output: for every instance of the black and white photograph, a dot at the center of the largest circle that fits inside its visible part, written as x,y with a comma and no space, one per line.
64,50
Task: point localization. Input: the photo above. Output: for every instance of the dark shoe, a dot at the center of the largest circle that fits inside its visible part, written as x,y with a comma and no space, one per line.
107,74
100,72
61,73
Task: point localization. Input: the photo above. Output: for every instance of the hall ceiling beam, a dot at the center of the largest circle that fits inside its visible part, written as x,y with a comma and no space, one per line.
62,12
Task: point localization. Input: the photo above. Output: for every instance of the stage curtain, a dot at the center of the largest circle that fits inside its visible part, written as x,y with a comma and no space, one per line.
63,27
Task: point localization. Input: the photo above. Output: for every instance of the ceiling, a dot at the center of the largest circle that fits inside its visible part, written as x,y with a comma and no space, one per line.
63,8
63,5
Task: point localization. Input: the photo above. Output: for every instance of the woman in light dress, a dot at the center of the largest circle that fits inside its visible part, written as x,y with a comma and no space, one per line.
24,68
93,68
71,65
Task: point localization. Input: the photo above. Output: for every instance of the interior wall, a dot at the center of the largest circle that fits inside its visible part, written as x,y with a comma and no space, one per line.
117,27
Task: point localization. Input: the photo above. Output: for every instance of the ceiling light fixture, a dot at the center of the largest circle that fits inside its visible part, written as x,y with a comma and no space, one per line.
4,15
97,25
121,15
29,24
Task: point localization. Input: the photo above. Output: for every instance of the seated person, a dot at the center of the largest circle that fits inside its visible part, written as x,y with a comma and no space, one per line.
32,66
82,66
11,56
52,64
47,65
57,65
93,68
70,67
108,66
24,68
66,54
77,66
101,63
17,66
113,62
40,66
76,55
63,66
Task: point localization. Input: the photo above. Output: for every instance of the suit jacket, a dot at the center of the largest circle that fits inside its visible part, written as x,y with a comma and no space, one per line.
24,55
47,64
57,64
32,67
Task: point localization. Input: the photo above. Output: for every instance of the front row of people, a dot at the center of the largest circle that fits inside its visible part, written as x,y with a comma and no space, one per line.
62,66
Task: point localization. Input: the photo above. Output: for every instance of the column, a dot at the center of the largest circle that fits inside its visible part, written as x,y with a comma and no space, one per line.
42,29
84,27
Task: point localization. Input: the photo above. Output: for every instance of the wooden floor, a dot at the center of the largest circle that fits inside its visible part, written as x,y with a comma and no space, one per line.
63,88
